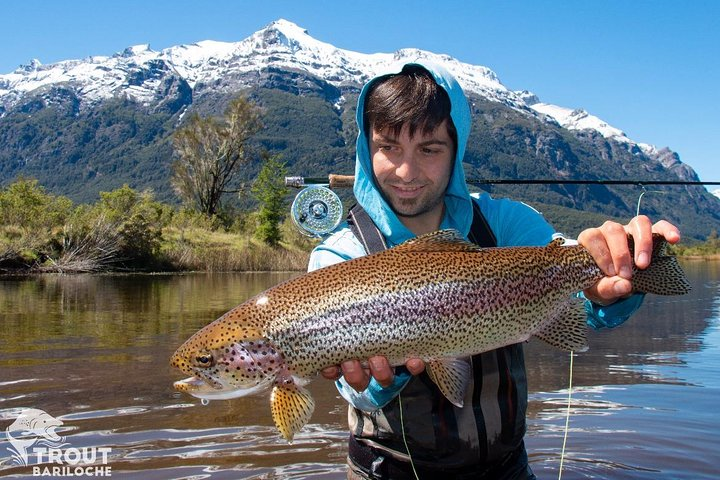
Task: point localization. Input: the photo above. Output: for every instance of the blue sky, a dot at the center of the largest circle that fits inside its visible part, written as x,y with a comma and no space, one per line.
650,68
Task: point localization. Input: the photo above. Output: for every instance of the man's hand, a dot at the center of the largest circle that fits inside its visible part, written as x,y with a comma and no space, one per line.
358,377
608,245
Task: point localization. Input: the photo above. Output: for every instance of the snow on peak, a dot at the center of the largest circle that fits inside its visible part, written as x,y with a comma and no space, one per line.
282,44
283,36
30,67
529,98
579,119
135,50
290,29
290,34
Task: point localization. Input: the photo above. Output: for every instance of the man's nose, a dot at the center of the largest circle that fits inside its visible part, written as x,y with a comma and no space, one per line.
407,169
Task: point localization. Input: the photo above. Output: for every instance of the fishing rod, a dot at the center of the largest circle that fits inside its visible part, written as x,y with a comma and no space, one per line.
347,181
317,210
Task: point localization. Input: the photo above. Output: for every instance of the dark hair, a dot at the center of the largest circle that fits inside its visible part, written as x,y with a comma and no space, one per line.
412,98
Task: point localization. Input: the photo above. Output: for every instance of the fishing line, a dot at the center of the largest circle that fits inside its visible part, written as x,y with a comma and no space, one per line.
402,428
637,211
567,417
644,191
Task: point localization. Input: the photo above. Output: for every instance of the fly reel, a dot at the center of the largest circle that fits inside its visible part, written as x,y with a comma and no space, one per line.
316,210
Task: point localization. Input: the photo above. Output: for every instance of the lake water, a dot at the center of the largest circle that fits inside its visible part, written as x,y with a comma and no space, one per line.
92,352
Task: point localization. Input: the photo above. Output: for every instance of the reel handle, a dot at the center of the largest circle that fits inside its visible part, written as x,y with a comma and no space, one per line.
341,181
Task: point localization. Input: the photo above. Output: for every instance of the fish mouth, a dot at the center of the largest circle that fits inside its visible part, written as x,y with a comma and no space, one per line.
199,388
191,385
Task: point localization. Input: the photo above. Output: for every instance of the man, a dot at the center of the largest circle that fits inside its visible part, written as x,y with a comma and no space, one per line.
413,128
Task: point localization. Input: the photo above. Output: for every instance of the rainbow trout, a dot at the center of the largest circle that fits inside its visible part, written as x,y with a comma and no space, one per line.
436,297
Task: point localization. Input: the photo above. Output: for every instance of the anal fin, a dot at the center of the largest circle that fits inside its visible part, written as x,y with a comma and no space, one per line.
452,376
291,406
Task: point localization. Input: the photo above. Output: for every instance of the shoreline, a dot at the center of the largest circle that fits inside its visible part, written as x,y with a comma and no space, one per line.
24,272
713,257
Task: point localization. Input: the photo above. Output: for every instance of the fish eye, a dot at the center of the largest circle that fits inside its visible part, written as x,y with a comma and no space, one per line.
204,360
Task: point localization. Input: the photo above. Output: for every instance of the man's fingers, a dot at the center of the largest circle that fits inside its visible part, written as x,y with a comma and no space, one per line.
640,228
667,230
355,375
415,366
608,290
378,367
331,373
381,370
593,239
615,237
609,247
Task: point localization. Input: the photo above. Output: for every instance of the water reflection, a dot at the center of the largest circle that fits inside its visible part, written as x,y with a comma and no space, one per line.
645,394
93,352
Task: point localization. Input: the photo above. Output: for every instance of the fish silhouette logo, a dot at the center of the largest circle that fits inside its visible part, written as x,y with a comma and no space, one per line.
32,427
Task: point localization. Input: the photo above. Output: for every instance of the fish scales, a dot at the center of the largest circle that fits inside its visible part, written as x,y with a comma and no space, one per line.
421,318
437,297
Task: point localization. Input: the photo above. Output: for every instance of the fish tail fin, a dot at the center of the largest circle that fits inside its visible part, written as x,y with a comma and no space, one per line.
664,276
291,406
567,328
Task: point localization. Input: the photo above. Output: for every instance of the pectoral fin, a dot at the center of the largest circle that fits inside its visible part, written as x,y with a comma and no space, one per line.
452,376
291,406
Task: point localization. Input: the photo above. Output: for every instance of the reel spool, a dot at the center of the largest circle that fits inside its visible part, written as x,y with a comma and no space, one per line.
316,211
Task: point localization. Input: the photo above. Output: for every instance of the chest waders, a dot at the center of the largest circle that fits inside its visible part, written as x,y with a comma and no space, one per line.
483,440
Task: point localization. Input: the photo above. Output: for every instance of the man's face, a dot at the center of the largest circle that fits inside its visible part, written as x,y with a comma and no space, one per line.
413,173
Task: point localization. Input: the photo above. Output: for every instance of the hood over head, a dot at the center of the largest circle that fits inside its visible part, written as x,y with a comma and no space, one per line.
458,211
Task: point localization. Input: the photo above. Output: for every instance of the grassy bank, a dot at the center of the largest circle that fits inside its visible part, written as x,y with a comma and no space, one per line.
177,250
190,250
130,231
709,249
204,250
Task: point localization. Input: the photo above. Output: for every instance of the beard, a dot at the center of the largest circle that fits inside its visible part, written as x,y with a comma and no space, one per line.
414,207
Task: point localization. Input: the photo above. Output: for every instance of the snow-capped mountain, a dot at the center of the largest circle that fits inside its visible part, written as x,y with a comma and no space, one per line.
86,126
281,44
579,119
140,73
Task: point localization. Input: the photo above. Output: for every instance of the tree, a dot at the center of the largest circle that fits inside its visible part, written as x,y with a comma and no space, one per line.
270,190
210,152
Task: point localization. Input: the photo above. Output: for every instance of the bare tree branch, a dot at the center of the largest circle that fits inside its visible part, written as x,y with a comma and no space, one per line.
210,153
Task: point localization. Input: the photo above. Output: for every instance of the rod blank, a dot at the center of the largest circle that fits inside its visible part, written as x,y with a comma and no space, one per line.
347,181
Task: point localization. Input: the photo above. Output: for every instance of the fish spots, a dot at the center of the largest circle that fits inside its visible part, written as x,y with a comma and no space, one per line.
433,300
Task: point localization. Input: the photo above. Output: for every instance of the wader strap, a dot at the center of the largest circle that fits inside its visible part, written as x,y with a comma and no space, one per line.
365,230
373,241
480,232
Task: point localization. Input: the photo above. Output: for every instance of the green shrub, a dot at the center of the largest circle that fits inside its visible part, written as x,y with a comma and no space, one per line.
25,204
